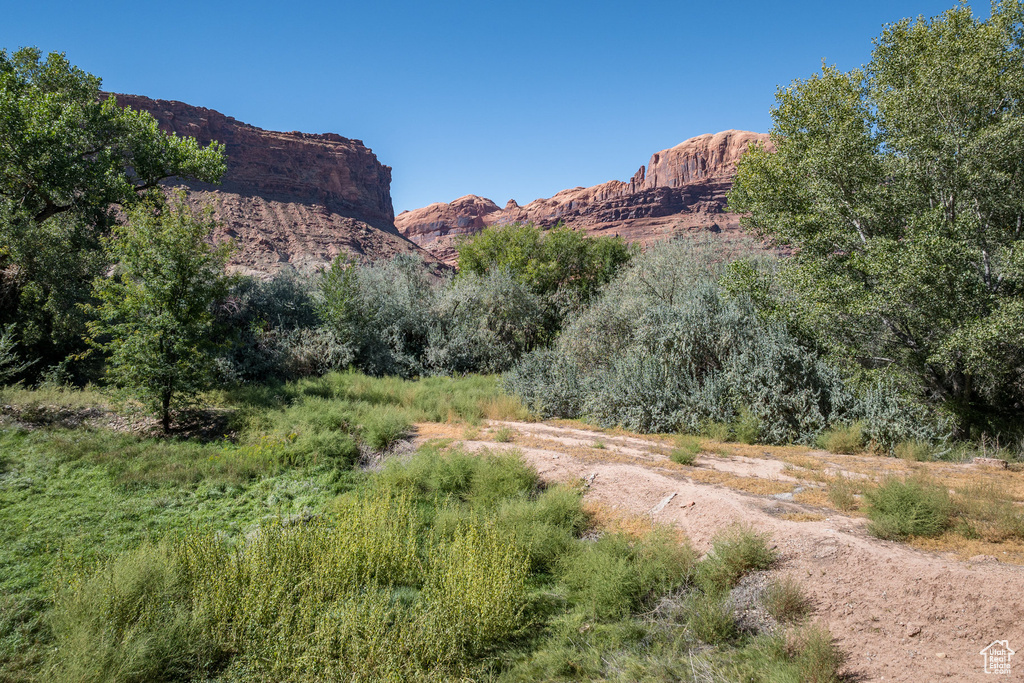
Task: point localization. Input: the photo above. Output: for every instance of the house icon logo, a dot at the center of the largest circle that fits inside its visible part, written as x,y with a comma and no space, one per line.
997,657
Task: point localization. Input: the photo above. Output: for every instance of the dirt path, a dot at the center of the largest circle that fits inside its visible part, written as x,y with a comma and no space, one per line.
900,613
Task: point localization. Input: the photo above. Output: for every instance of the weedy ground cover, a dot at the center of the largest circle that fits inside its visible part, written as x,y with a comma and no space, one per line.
270,557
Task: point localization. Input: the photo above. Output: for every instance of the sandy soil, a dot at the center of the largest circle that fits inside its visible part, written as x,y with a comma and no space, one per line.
900,613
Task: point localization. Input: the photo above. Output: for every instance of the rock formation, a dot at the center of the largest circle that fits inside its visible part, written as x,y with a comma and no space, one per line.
681,190
288,200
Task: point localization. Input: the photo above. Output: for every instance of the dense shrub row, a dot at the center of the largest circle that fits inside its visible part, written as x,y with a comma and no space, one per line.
397,318
667,349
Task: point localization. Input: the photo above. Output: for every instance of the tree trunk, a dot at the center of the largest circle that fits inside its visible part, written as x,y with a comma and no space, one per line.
165,411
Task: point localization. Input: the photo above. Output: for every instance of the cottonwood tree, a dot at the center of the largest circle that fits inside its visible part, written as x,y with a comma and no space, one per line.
901,188
154,316
70,158
563,266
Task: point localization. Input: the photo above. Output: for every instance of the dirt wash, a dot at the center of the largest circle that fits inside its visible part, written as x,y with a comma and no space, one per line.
900,614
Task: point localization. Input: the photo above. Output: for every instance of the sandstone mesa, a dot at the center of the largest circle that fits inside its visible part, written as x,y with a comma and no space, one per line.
681,191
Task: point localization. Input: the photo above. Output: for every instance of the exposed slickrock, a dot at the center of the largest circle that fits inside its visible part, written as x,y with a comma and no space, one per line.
289,200
681,190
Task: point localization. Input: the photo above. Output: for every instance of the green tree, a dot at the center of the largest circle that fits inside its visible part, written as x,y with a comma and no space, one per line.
69,157
155,316
562,265
900,187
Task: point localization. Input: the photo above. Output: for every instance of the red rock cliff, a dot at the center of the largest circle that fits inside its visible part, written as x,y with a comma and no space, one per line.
288,199
681,190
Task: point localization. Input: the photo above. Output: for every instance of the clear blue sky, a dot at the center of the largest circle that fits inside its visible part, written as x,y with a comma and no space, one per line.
500,99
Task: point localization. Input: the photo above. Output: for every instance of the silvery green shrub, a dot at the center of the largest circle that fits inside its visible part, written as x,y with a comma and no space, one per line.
275,332
666,349
483,323
383,311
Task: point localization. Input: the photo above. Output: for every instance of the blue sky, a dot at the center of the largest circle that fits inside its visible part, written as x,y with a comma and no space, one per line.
500,99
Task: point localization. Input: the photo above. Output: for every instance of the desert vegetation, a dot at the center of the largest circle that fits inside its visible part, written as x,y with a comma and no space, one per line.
205,476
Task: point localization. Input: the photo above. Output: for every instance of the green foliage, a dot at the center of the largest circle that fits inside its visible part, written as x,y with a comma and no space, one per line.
685,449
719,431
484,323
67,155
845,439
444,565
275,332
562,266
10,362
130,623
899,186
842,493
395,319
711,618
382,311
665,349
734,553
901,509
914,449
817,657
155,316
503,435
363,591
747,426
615,574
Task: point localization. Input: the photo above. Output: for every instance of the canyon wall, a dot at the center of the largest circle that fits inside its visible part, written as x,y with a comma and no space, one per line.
680,191
288,200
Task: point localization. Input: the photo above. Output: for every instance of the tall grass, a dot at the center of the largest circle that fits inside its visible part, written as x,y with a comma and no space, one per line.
734,553
901,509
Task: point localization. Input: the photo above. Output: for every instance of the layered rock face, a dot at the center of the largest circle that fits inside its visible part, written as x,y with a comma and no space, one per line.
288,200
681,190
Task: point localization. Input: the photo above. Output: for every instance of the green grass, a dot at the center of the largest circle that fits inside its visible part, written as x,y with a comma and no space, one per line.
746,427
685,449
784,599
74,498
847,439
914,450
842,493
504,435
121,556
718,431
734,553
901,509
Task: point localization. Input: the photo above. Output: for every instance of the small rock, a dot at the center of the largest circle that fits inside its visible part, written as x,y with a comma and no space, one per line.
990,462
940,655
913,630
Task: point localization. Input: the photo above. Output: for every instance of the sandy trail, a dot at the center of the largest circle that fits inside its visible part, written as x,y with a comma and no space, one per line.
901,614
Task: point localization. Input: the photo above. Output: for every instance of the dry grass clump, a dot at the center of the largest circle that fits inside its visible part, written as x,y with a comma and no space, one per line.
900,509
685,449
818,659
844,440
986,511
802,516
734,553
915,451
785,600
842,493
504,434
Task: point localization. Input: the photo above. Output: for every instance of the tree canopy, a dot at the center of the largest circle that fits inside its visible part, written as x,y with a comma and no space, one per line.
900,187
155,317
70,160
562,265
